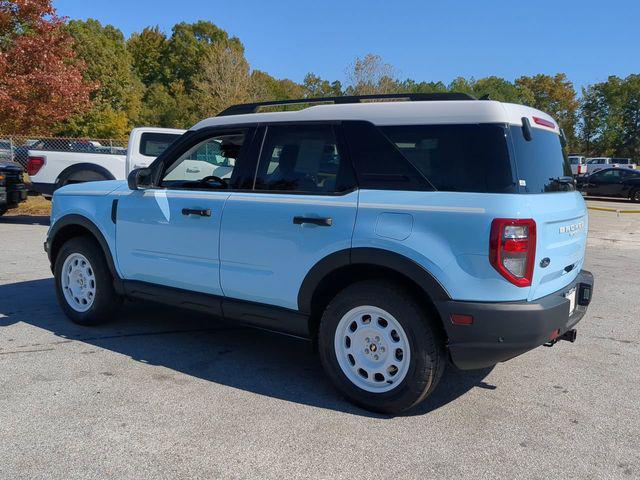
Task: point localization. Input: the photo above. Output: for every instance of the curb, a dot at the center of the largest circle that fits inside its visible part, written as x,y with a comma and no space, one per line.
617,211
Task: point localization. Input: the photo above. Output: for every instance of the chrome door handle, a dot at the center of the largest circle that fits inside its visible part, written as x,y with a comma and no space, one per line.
322,222
202,212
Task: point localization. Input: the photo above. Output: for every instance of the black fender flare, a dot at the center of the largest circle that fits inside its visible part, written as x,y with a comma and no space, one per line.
369,256
78,220
83,167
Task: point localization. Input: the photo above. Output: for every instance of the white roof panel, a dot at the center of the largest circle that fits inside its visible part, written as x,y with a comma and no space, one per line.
394,113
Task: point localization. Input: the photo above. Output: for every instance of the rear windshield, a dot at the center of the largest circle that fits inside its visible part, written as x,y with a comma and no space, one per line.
457,158
541,166
153,144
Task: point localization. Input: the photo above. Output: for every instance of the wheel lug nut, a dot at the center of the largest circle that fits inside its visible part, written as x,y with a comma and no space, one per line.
366,350
376,357
377,339
382,349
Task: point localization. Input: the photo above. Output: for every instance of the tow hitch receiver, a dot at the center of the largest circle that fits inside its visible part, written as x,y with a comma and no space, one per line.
569,336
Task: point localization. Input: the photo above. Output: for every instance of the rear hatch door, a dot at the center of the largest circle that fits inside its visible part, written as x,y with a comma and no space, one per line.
544,176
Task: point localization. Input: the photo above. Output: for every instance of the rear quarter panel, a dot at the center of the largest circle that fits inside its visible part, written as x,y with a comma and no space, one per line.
448,234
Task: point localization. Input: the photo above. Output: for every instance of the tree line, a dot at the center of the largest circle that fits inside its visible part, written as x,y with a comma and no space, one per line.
82,78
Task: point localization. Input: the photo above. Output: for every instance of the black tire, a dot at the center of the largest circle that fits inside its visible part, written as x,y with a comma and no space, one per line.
427,359
106,300
3,211
635,195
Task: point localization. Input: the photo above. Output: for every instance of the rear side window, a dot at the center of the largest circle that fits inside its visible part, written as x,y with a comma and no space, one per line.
303,158
540,163
378,163
457,158
153,144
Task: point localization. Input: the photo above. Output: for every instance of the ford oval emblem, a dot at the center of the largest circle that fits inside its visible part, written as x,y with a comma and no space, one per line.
544,263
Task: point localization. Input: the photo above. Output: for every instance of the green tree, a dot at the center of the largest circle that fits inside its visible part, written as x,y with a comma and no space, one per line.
264,87
497,88
116,101
168,106
148,51
187,48
411,86
315,86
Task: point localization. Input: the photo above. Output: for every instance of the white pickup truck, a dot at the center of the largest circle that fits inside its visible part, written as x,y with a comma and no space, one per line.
594,164
50,170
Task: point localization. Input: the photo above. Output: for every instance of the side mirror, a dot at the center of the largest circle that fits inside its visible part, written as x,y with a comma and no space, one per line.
139,179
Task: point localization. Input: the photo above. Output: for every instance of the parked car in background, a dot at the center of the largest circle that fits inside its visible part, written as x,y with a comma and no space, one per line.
612,182
598,163
12,187
87,161
578,165
5,150
395,235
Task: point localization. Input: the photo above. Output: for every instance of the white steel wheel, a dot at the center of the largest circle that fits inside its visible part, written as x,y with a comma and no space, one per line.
78,282
372,349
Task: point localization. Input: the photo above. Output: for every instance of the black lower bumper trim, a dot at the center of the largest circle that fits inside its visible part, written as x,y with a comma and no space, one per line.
501,331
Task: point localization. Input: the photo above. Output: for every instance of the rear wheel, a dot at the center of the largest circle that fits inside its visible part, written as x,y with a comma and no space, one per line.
84,285
380,347
635,195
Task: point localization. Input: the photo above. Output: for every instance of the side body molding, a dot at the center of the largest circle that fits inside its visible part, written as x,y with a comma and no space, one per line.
373,257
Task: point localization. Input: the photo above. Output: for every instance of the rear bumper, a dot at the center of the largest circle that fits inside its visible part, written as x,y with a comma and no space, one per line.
501,331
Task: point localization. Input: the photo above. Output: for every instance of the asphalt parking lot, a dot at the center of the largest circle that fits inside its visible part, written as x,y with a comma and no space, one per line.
161,393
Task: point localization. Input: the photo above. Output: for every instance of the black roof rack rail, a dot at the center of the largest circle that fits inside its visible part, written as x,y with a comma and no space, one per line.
253,107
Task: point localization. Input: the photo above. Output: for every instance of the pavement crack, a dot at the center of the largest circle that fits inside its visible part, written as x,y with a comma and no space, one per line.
27,351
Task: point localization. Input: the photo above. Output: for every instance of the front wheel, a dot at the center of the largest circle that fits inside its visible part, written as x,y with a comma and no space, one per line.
380,347
84,285
635,195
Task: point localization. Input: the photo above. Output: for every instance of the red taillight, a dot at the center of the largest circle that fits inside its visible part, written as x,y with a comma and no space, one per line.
34,165
544,123
582,169
512,249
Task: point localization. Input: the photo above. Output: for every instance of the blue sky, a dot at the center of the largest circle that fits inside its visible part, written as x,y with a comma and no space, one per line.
424,40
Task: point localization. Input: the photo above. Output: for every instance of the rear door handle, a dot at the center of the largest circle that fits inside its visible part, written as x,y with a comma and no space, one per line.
322,222
203,212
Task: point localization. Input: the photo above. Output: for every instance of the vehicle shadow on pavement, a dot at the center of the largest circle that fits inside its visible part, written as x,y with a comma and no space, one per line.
201,346
25,219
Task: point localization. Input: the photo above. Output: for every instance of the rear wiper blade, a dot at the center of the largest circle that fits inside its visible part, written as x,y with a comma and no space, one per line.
564,181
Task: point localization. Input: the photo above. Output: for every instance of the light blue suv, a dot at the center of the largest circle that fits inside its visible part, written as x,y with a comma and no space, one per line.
397,235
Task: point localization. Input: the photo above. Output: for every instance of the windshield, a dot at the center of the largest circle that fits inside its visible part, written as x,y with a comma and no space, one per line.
541,166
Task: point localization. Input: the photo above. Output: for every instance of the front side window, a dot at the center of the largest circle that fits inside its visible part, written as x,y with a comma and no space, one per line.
610,175
302,158
209,164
